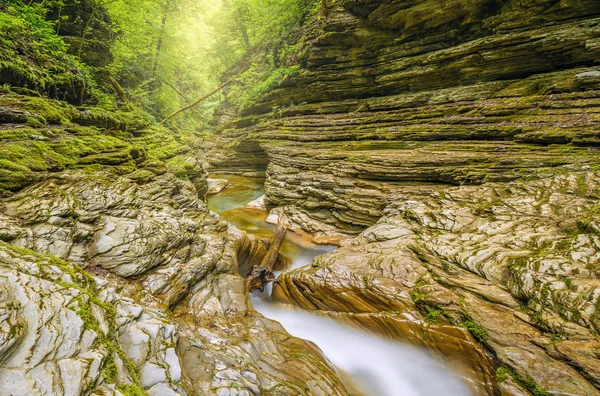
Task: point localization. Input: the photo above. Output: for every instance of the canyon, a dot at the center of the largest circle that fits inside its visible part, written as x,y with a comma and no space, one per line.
452,152
440,159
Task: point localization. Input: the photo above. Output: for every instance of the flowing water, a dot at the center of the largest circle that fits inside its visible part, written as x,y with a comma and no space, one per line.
376,367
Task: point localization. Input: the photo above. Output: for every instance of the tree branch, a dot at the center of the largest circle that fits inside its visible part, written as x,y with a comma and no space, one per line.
220,87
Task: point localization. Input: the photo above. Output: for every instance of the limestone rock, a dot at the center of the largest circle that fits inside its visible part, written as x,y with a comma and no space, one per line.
153,248
514,264
258,203
395,96
215,186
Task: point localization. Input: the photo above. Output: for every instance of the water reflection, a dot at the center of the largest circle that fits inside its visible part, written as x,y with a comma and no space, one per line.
230,205
240,191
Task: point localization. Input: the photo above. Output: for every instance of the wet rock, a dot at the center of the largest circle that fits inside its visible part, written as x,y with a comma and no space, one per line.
590,79
514,264
153,248
258,203
215,186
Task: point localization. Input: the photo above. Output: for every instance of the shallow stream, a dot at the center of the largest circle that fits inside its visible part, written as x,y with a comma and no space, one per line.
375,366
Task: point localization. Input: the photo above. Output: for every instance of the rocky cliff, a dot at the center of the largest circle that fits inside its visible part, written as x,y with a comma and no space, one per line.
398,93
460,141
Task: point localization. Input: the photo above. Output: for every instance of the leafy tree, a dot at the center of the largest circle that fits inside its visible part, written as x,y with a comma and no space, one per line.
157,55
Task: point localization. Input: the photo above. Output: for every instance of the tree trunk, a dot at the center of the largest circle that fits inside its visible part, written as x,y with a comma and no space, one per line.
159,43
120,91
275,244
325,8
181,94
220,87
260,275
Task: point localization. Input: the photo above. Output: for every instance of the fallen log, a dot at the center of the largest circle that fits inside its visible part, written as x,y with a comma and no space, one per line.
198,101
260,275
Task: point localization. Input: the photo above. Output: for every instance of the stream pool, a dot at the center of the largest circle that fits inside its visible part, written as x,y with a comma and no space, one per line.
375,366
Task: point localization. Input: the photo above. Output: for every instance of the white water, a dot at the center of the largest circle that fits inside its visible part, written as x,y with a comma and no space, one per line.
377,367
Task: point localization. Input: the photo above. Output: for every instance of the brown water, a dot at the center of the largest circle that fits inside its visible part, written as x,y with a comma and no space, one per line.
230,205
374,366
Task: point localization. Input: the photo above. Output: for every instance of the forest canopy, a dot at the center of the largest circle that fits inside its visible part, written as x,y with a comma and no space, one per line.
156,56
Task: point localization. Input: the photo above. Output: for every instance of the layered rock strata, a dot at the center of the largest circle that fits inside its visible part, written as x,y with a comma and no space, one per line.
400,92
395,104
516,264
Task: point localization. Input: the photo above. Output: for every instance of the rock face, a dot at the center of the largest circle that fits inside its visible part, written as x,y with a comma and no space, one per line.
215,186
115,279
397,103
516,264
182,259
65,332
397,93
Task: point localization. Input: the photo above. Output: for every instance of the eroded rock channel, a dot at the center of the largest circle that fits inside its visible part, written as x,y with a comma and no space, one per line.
368,365
453,154
450,150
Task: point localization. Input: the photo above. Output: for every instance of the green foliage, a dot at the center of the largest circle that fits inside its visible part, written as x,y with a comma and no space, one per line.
160,54
257,82
33,55
170,52
474,328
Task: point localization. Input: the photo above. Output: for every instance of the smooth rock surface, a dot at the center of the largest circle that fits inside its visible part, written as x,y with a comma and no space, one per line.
516,265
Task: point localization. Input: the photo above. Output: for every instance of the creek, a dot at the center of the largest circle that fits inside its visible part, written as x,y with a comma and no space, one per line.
372,365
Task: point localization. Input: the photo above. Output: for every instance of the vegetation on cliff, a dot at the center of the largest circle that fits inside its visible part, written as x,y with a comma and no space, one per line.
156,56
451,149
82,82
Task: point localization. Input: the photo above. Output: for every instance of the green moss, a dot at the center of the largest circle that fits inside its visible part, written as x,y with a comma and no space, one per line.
415,292
132,390
582,226
581,188
34,122
110,369
366,281
433,315
91,143
504,372
28,154
134,120
183,167
37,156
82,305
53,111
586,226
141,176
538,319
111,158
476,330
97,116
